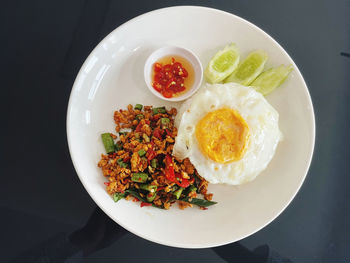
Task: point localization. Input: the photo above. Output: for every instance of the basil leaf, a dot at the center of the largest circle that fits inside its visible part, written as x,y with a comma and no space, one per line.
199,202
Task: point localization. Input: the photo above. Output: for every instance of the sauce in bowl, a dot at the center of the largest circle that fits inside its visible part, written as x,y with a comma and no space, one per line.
172,76
173,73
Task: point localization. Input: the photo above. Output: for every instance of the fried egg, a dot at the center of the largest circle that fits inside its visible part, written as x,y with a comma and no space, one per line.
228,131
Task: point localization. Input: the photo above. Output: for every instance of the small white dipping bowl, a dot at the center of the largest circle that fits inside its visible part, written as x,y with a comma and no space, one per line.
175,51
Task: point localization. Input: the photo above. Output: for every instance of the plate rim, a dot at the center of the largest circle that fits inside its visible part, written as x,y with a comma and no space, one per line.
209,9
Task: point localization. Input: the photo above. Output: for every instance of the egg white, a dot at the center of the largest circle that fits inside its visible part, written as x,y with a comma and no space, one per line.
260,116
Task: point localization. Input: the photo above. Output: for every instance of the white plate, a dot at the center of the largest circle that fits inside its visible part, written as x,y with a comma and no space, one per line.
112,77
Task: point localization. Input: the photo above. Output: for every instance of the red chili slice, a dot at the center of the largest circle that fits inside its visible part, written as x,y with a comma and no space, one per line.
177,68
145,204
156,117
169,79
161,77
167,94
138,127
169,170
184,182
151,155
179,80
169,174
157,67
168,132
157,86
171,86
185,73
126,159
158,133
168,160
167,68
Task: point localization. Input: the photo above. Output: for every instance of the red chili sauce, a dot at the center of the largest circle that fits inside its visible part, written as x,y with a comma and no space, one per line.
172,76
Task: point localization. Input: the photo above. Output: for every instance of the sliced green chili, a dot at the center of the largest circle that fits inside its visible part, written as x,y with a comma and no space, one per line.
108,142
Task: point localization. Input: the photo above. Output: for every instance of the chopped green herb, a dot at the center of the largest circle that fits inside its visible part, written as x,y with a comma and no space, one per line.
145,137
139,117
164,121
121,163
118,146
138,107
154,163
199,202
136,194
123,133
159,110
141,152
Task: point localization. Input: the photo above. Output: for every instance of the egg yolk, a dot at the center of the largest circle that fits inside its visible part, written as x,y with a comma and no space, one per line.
222,135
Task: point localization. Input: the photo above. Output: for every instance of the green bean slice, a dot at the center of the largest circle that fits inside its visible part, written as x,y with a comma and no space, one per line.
108,142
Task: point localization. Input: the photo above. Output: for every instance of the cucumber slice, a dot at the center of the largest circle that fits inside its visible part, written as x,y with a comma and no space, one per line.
249,69
222,64
270,79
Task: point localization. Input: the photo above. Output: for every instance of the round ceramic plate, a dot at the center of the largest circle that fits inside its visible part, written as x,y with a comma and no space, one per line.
112,77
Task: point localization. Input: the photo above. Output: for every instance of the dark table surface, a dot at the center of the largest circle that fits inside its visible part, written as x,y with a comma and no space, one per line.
43,45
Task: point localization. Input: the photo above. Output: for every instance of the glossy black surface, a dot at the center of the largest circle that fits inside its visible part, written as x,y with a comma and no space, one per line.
44,43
